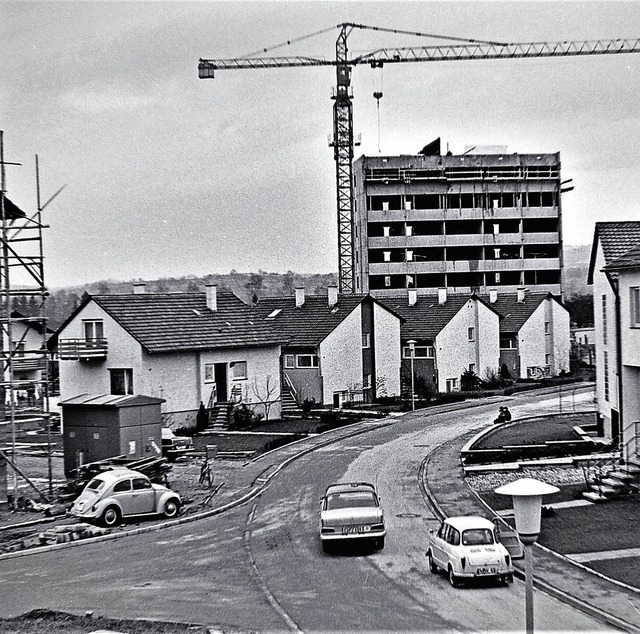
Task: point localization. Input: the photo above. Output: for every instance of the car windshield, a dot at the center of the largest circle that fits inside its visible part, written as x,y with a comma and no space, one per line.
95,485
477,536
350,499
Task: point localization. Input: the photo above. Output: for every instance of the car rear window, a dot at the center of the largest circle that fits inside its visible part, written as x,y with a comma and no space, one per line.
351,499
477,537
95,485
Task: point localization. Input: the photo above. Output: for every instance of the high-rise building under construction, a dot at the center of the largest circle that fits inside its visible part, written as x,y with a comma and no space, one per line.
483,219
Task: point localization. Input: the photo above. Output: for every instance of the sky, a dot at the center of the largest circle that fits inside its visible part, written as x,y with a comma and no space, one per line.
165,174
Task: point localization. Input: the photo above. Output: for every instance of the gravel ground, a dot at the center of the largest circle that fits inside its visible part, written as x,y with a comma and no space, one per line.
557,476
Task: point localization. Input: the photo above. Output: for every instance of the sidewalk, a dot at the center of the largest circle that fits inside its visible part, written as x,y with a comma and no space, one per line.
447,490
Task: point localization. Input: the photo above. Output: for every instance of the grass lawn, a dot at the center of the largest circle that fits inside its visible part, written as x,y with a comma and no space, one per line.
625,569
535,431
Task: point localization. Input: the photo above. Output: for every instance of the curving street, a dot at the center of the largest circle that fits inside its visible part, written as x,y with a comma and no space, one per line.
260,566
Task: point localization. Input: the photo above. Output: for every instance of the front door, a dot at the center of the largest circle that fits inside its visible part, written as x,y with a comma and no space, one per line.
220,371
615,426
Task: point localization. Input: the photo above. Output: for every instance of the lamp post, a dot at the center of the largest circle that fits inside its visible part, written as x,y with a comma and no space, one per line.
527,507
412,348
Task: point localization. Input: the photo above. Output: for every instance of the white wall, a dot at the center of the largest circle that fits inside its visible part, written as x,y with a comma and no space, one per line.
386,331
341,357
602,287
92,377
454,351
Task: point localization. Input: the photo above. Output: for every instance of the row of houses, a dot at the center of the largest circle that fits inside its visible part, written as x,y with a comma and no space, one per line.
212,348
614,273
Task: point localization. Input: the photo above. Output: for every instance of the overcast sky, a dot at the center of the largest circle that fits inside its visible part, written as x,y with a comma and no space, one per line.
170,175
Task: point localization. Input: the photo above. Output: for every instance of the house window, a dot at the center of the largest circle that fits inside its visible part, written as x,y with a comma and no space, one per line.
635,307
606,375
508,343
307,361
209,374
121,381
386,231
408,230
386,256
385,205
366,381
93,329
453,385
546,328
289,361
366,340
472,368
604,320
239,370
387,280
471,332
409,256
547,359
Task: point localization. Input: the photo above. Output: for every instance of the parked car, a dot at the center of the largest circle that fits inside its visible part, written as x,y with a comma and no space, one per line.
351,513
118,493
174,446
468,548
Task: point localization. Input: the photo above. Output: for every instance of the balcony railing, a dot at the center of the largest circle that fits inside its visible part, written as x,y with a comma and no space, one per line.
28,364
74,349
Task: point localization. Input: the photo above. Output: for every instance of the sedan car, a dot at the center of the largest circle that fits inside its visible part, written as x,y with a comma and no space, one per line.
468,548
351,513
119,493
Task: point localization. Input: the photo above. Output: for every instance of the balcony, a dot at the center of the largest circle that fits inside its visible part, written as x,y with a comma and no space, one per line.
28,364
75,349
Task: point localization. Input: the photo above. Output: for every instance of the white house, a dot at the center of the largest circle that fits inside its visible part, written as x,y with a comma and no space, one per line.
185,348
535,338
339,348
450,335
611,241
624,274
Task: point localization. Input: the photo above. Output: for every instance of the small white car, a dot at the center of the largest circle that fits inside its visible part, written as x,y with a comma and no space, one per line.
351,513
175,446
119,493
468,548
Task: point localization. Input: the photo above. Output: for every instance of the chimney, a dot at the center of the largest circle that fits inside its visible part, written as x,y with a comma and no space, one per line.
212,296
493,295
332,295
413,296
520,294
299,296
138,288
442,295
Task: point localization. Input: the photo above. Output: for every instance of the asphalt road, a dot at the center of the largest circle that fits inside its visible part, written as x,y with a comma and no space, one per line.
261,567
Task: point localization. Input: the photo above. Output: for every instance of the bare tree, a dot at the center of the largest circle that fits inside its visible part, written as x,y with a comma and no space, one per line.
265,393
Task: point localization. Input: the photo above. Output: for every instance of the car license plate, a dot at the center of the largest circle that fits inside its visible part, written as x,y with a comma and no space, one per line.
486,571
346,530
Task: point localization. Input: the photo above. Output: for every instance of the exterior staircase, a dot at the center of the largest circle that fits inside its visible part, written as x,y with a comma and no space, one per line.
610,478
289,400
219,416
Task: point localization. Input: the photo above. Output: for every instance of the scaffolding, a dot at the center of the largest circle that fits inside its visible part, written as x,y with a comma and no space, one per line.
25,378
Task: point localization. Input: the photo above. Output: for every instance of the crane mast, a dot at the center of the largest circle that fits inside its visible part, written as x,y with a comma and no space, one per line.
343,138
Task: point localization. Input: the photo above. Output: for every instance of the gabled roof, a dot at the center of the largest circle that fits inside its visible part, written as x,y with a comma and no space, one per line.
33,322
616,238
426,318
515,314
630,260
171,322
311,323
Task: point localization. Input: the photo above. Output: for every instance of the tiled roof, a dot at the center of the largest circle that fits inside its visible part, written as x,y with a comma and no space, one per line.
630,260
515,314
426,318
170,322
312,322
616,239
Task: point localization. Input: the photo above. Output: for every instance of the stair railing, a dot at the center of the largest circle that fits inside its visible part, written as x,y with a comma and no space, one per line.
291,387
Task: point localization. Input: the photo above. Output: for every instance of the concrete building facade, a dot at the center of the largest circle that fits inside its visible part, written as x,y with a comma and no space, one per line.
465,222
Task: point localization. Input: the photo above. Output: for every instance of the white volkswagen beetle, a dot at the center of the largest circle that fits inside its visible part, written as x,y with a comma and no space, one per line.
118,493
468,548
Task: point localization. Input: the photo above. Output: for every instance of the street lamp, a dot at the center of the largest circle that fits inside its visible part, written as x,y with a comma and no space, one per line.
527,507
412,348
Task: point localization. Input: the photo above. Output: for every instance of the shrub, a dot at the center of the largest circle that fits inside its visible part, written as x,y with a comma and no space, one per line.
243,418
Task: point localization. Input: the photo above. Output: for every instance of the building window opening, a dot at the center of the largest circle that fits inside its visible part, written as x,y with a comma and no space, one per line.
121,381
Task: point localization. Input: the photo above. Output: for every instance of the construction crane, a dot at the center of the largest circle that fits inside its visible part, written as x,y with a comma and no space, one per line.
343,137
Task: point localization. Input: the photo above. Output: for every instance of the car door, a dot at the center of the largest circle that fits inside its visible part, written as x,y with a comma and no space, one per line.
121,492
438,544
143,496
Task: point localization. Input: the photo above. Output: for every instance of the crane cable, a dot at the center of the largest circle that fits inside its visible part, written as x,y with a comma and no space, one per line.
377,95
288,42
